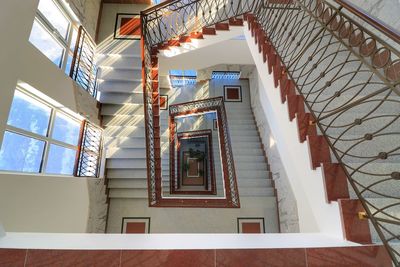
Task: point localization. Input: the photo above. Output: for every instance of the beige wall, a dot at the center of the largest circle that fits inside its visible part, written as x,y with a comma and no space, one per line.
88,12
33,202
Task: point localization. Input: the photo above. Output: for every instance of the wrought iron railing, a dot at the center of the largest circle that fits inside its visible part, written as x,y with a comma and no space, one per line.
89,152
348,75
350,81
172,19
168,21
83,68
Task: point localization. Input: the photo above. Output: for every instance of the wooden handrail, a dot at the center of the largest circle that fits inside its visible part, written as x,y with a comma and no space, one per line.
376,23
160,5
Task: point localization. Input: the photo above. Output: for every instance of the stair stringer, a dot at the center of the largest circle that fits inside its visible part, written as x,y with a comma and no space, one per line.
315,214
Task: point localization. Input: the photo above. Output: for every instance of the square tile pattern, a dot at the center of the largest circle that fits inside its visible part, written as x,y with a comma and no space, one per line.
135,225
232,93
251,225
127,26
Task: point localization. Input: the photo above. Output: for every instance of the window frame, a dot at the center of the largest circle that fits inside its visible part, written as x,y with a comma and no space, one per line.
47,139
66,42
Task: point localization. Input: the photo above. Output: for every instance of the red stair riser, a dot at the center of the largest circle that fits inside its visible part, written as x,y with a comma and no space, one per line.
295,106
283,86
235,22
209,31
261,40
304,127
335,182
196,35
174,43
319,150
277,70
185,39
222,26
354,229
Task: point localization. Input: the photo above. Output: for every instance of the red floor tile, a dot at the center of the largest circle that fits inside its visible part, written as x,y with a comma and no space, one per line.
261,258
12,257
73,258
168,258
366,256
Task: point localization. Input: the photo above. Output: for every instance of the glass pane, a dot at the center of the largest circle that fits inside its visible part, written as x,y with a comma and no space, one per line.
43,41
29,114
190,73
21,153
68,65
54,15
66,129
61,160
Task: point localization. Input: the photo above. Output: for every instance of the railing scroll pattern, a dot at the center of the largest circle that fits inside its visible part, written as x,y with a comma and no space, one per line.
89,152
349,79
83,68
162,23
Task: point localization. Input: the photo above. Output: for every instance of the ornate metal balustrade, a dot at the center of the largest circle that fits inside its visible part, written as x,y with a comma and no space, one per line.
168,21
89,153
83,68
349,79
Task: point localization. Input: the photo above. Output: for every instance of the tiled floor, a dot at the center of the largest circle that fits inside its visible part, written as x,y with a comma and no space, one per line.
366,256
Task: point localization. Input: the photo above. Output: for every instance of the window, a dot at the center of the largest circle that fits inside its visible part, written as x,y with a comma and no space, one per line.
182,77
225,75
39,138
54,33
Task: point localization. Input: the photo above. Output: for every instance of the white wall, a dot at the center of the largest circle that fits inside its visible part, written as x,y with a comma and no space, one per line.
288,215
210,55
315,215
34,202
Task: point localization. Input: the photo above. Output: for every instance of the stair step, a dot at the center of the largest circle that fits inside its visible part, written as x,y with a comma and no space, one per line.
128,183
242,132
119,47
117,61
243,138
120,74
127,173
115,86
128,193
126,153
242,127
122,109
121,98
125,120
125,131
256,192
253,182
125,142
126,163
